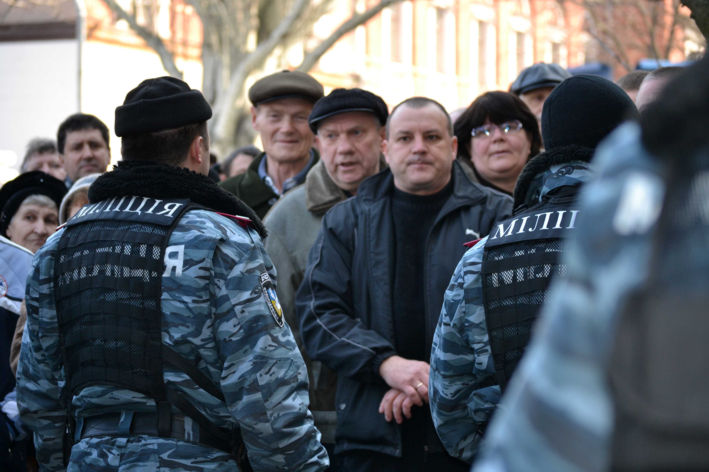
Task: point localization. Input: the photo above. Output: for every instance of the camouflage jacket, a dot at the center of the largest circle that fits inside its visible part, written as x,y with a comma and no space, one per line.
557,413
463,392
216,315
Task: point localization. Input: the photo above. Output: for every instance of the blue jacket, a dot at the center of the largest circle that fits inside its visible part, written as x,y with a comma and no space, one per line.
344,303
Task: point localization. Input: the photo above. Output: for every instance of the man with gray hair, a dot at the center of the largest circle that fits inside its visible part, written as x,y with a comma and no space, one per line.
42,155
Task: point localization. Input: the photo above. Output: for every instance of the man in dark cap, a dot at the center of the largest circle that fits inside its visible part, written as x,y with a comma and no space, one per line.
500,284
349,129
154,337
281,105
534,84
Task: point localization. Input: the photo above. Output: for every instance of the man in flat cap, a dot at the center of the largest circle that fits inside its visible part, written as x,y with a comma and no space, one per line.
534,84
154,337
349,129
281,105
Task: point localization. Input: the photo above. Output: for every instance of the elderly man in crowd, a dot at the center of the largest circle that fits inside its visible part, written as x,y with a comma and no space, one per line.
534,84
374,284
349,130
281,105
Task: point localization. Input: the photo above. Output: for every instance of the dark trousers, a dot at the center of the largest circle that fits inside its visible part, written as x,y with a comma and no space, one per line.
370,461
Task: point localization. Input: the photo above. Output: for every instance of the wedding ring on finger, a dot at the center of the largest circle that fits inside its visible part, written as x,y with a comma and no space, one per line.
420,384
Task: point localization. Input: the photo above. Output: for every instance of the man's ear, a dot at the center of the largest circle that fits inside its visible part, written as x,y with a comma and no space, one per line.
196,148
254,114
454,146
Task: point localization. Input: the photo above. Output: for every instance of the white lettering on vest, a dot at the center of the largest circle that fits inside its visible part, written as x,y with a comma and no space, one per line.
573,219
157,201
524,223
170,208
559,218
502,232
174,257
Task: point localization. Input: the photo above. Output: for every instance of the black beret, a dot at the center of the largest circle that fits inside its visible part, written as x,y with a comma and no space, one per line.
14,192
285,84
159,104
537,76
347,100
583,110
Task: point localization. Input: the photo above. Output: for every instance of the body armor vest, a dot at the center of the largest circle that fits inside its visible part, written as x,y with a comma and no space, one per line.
658,368
108,285
521,256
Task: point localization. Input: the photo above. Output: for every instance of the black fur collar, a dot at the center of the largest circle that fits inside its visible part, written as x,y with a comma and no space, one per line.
148,179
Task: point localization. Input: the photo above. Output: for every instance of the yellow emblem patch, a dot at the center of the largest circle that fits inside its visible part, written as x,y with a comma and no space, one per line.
269,295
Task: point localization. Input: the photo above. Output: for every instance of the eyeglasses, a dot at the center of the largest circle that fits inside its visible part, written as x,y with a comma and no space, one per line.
486,130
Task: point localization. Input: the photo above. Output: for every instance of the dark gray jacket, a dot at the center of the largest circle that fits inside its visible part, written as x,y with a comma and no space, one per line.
344,303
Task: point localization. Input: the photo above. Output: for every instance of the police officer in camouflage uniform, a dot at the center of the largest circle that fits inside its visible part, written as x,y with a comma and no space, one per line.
154,339
499,285
638,262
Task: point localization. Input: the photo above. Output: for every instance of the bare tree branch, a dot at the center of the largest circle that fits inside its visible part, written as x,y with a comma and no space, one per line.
313,56
151,39
225,122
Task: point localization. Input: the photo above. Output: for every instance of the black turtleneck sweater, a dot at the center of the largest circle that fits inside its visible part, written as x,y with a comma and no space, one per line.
414,217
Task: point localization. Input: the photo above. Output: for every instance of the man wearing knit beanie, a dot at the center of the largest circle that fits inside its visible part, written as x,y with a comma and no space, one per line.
154,336
500,284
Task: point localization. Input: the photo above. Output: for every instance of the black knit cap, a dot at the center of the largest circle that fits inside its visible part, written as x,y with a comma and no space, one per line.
159,104
583,110
348,100
285,84
14,192
538,76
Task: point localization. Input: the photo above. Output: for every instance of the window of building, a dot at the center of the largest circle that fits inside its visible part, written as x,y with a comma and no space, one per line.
444,48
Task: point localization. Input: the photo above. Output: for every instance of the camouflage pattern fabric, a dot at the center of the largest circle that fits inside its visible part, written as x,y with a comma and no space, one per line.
461,361
219,313
557,413
462,389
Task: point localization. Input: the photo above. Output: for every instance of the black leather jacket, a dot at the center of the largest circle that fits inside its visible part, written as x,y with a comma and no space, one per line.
344,303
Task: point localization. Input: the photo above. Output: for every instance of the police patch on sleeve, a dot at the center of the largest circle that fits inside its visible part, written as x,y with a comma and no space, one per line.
269,294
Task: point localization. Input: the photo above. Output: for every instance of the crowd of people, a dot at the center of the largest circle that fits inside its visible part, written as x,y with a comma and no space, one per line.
361,294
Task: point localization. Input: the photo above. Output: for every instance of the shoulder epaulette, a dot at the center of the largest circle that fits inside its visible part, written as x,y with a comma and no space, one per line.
472,243
243,221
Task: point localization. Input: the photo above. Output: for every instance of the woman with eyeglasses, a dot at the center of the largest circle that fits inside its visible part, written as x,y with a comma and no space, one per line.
497,134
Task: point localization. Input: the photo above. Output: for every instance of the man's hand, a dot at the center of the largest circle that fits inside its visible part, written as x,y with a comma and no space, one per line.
395,404
407,376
